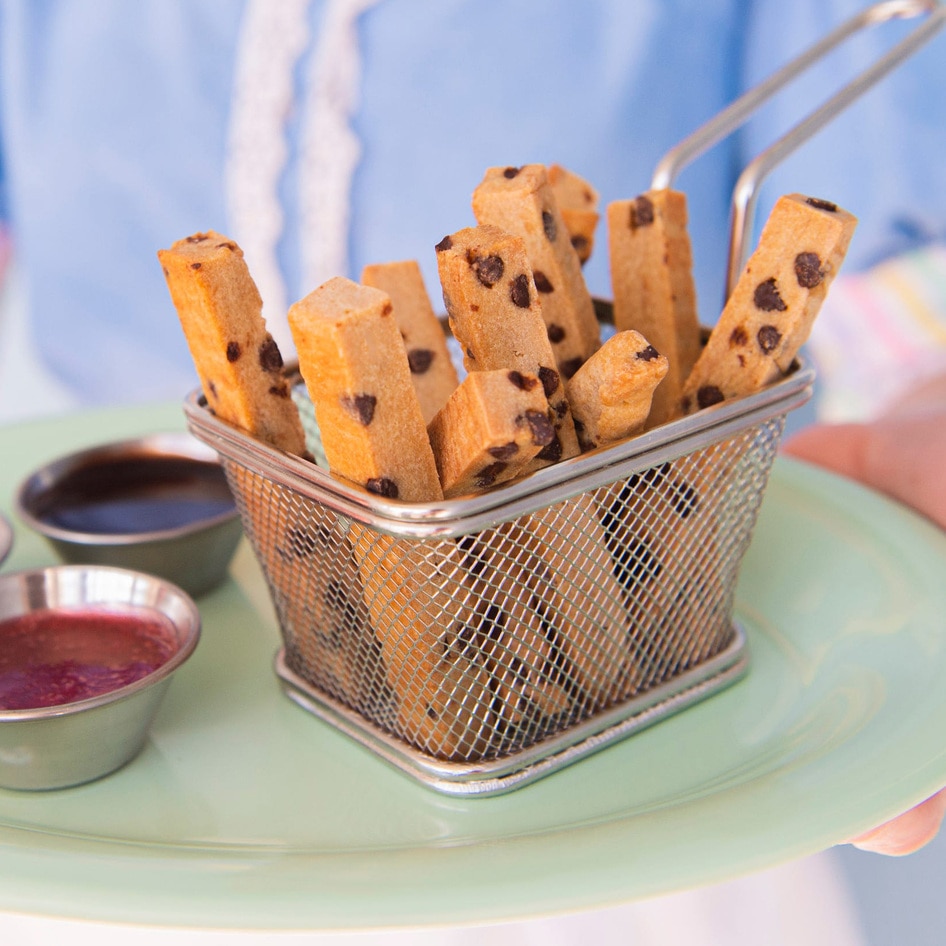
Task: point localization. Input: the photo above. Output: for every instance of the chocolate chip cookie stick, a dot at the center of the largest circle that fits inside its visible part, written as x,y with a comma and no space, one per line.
578,202
495,315
521,201
491,427
237,360
652,284
491,304
432,371
564,553
769,315
356,370
612,392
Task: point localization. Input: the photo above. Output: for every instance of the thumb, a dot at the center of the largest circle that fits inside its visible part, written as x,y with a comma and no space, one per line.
902,456
841,448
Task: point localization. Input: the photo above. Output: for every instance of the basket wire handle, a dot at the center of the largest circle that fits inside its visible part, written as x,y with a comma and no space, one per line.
737,113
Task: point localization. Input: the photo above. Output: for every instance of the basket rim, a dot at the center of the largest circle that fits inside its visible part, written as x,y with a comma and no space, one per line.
552,484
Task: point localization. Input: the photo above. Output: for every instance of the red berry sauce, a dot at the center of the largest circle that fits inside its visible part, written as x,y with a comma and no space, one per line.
57,656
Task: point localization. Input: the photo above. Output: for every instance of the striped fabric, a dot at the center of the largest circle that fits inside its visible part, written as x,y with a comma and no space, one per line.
880,332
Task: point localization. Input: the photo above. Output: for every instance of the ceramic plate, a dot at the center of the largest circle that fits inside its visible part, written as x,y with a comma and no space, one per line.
245,811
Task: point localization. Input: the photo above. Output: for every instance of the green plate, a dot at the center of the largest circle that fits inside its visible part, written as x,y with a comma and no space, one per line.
244,811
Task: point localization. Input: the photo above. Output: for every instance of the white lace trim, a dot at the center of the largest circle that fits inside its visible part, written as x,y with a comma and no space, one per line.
273,36
330,149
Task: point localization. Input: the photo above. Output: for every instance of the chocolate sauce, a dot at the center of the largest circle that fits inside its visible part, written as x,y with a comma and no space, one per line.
135,494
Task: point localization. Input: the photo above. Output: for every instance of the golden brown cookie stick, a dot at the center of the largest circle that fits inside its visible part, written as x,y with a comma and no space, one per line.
564,553
495,315
432,371
612,392
237,360
521,201
491,427
355,367
769,315
652,283
578,202
529,685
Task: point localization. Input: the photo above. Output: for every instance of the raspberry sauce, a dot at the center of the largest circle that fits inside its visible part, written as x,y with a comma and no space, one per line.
57,656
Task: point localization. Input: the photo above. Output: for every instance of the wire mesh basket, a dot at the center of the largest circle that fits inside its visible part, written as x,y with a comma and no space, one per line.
480,643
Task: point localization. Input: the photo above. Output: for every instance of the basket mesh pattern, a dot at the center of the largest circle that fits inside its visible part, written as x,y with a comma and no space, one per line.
472,648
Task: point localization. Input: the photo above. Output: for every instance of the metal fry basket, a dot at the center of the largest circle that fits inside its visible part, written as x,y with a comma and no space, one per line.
480,643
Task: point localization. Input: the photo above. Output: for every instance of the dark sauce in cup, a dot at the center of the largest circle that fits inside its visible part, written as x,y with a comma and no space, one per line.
56,656
134,495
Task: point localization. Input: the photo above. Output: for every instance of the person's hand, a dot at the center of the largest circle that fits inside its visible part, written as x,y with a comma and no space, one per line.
901,454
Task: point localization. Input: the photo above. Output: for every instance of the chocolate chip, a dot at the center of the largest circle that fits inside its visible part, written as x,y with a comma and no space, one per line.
233,351
303,542
337,599
561,408
542,282
688,499
504,452
642,212
549,226
360,406
766,296
550,380
768,337
382,486
195,265
510,173
387,309
420,360
444,244
581,245
738,337
808,270
487,476
227,246
570,366
556,333
280,390
648,354
213,389
521,381
543,433
708,395
820,204
473,560
634,562
489,269
269,357
197,238
519,292
552,451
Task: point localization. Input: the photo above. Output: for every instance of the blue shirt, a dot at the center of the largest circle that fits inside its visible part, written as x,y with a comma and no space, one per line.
118,123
